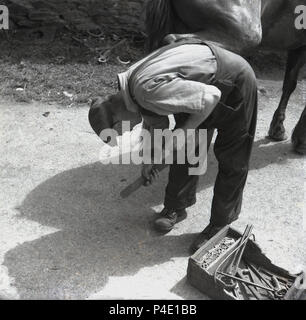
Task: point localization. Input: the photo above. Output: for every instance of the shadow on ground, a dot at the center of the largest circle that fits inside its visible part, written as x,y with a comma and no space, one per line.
100,235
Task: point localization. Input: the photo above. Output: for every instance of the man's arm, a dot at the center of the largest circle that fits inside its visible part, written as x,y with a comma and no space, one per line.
211,99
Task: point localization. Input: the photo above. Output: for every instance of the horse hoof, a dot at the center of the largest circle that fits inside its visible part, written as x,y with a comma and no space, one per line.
299,135
277,136
300,149
299,146
277,132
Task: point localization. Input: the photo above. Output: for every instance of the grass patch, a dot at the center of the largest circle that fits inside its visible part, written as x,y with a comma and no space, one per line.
65,71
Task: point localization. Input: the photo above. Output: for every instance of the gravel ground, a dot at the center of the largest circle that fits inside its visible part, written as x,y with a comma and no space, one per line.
66,234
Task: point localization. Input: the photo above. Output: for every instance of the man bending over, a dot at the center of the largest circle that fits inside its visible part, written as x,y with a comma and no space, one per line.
204,87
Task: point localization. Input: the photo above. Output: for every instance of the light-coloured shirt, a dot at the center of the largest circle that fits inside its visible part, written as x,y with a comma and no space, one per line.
170,80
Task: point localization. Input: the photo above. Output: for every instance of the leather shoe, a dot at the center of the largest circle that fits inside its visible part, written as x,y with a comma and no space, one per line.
168,218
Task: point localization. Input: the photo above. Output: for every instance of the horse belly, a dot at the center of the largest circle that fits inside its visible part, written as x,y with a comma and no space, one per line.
283,38
238,20
278,25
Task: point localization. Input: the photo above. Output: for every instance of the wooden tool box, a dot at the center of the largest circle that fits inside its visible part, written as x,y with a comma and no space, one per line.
204,279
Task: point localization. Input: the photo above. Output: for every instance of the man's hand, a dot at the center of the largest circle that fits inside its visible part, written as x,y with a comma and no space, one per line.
174,37
150,173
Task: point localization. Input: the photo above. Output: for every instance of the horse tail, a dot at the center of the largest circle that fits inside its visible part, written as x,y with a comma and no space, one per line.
158,21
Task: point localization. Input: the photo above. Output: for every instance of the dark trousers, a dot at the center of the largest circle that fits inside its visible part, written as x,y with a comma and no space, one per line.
235,120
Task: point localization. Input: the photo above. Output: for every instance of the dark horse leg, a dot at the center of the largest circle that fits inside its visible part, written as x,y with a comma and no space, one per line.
299,135
296,60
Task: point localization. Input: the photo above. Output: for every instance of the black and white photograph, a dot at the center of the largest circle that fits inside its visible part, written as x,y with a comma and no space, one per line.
152,150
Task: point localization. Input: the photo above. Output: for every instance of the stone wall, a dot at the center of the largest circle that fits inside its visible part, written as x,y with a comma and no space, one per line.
110,15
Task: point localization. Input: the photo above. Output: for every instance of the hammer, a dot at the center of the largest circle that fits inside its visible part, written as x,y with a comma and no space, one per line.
138,183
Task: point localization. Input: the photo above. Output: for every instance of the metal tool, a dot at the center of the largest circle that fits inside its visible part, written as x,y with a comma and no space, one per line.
237,292
278,293
243,240
282,279
132,187
247,272
216,252
260,277
138,183
275,283
245,281
233,268
258,274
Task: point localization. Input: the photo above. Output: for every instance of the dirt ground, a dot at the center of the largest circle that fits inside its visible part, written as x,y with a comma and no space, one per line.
67,70
64,231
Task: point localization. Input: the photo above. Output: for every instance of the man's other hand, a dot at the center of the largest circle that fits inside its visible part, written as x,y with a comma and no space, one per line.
150,173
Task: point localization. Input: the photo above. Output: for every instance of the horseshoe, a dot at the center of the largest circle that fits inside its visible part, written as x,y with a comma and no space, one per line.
94,34
123,62
103,59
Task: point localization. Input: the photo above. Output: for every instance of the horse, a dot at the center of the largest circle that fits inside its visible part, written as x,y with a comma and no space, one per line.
240,25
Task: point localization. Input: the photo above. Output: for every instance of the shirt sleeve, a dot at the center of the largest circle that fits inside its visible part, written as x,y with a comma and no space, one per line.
170,94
